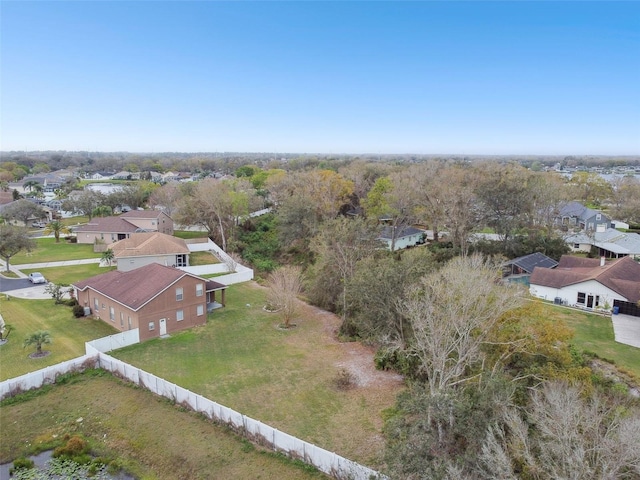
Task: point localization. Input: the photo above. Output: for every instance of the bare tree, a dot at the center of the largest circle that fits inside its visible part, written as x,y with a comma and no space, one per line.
451,311
565,435
285,284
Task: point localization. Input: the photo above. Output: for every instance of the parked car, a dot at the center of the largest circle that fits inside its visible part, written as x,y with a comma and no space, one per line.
37,277
39,224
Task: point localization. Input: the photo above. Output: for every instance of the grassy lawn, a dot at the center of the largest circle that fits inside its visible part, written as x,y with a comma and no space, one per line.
188,234
47,250
594,333
68,334
283,378
70,274
202,258
152,438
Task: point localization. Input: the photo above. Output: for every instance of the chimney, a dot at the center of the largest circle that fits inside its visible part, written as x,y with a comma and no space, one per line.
602,261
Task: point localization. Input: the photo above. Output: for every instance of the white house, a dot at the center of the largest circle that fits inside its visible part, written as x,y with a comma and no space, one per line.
589,282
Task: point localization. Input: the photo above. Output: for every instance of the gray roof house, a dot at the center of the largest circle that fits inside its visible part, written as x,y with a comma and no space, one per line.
611,243
576,214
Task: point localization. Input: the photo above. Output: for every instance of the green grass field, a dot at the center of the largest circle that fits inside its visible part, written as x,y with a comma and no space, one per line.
283,378
67,332
594,333
47,250
70,274
149,436
202,258
188,234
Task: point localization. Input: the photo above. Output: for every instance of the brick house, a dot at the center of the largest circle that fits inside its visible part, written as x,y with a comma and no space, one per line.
156,299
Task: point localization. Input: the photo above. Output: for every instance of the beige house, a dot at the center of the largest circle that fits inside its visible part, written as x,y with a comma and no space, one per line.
108,230
155,299
150,220
143,248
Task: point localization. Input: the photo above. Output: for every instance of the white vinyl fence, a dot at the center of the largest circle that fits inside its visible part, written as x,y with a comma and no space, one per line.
254,430
258,432
241,274
45,376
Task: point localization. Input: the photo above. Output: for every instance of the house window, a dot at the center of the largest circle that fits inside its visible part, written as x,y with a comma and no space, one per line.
597,301
153,222
121,319
129,319
200,310
598,216
581,298
180,315
181,260
96,304
104,306
179,294
152,326
199,290
576,245
112,314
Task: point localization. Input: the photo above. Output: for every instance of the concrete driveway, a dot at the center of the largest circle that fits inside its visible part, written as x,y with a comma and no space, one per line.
626,329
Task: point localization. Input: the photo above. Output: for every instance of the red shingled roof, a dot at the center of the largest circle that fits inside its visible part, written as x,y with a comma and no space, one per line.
621,275
136,287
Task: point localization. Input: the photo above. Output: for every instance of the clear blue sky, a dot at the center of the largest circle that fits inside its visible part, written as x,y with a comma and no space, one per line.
321,77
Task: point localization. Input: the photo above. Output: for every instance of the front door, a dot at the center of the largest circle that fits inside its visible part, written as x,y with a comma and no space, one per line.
589,301
163,326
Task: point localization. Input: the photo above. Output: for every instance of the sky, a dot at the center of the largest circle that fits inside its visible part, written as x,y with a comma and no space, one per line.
433,77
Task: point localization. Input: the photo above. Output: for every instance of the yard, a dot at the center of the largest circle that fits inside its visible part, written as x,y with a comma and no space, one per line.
283,378
594,333
150,437
68,334
47,250
69,274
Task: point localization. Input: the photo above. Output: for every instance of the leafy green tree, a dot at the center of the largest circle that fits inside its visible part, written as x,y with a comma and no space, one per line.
12,241
102,211
23,210
38,339
56,227
56,291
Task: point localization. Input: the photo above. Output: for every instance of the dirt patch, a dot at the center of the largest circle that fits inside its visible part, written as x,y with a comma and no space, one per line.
42,354
355,357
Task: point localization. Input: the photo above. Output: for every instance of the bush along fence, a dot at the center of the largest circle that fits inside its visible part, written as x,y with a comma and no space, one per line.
254,430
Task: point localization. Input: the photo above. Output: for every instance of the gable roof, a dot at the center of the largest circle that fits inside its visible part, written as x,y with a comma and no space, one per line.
621,275
108,224
576,209
149,243
529,262
142,214
134,288
627,243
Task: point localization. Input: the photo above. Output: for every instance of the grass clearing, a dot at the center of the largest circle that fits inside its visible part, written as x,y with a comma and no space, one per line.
202,258
283,378
594,333
47,250
68,334
151,437
188,234
70,274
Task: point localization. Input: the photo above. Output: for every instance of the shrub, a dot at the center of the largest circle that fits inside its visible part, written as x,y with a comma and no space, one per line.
75,447
21,464
344,380
78,310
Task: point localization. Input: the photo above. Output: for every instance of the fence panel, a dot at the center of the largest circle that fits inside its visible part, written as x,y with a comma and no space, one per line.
259,432
322,459
289,444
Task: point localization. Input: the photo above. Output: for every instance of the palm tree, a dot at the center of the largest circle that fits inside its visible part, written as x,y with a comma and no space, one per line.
38,339
30,184
56,227
107,256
